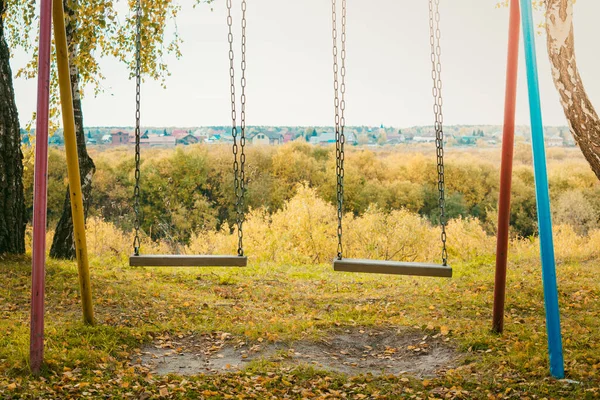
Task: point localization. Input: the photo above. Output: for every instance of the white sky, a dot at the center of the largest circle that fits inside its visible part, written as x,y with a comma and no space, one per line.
290,72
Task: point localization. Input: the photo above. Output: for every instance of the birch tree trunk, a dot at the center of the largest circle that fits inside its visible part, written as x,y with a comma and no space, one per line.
63,245
583,119
12,202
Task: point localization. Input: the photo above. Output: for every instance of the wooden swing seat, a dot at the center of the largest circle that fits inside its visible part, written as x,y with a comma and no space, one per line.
391,267
187,261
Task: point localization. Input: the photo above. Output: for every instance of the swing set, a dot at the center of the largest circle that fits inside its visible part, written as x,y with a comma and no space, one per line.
239,163
340,263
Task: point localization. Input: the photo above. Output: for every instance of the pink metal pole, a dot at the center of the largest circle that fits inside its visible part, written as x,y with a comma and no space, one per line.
38,268
508,140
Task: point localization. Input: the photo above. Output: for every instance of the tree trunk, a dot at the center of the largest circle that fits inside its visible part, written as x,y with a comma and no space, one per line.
12,201
63,245
583,119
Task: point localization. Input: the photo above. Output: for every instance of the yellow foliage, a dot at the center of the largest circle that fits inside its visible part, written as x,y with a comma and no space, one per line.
391,201
399,235
304,229
108,242
570,246
303,232
212,242
467,239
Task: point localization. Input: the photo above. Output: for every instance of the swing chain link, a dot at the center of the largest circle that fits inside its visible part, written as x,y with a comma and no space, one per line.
138,84
339,86
238,166
241,199
436,75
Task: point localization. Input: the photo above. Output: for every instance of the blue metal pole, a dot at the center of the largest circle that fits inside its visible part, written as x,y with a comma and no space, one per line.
542,197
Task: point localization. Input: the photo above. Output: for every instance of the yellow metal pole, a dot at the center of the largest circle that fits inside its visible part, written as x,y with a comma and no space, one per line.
66,103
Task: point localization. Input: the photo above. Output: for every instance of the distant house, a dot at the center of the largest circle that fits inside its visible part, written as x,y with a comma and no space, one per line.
213,135
275,138
288,137
554,141
327,138
350,138
424,139
180,133
260,139
323,139
214,139
187,140
158,141
395,139
267,138
202,136
106,139
119,138
467,140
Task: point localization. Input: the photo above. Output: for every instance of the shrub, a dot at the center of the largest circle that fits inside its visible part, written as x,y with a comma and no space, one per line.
573,209
303,232
305,229
190,190
399,235
467,239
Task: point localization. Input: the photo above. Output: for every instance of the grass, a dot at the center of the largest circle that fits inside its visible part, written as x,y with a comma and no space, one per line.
284,302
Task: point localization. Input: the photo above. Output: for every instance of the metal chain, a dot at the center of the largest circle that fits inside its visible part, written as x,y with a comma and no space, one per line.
241,198
436,75
340,107
238,166
138,84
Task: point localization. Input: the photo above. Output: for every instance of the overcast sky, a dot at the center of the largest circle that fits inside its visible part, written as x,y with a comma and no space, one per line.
290,72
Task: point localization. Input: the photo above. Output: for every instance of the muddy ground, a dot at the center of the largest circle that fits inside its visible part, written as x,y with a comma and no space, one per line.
350,351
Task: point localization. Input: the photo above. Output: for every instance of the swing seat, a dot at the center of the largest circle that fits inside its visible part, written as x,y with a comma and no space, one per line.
187,261
391,267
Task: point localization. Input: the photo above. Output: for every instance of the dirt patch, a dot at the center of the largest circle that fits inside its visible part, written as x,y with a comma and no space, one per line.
197,354
364,351
350,351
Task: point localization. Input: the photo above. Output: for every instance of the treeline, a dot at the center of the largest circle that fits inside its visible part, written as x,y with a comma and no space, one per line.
188,190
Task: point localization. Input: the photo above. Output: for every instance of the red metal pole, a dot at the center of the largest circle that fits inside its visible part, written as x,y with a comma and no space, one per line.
38,268
508,138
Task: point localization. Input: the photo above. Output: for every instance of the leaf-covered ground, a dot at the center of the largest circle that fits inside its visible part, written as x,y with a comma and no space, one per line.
275,305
